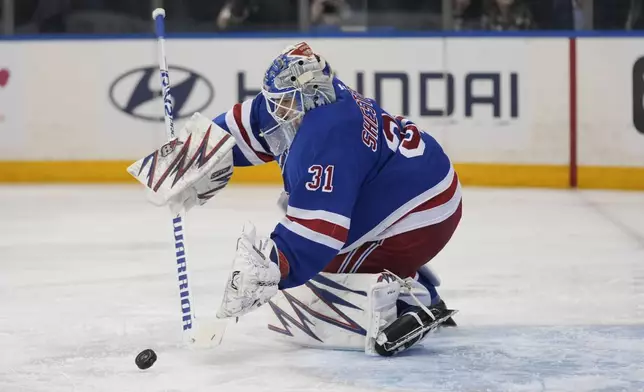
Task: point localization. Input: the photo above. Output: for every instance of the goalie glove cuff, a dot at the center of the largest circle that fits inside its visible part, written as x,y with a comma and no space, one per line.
254,277
277,257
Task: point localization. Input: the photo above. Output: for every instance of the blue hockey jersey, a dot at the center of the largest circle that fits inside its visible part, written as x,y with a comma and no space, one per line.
354,174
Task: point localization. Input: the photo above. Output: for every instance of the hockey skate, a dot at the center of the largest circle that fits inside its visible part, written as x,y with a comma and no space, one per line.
414,321
412,327
450,320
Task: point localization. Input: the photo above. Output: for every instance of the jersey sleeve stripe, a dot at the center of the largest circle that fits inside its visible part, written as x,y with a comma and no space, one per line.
439,199
323,227
440,211
246,108
237,114
382,229
328,216
245,149
311,235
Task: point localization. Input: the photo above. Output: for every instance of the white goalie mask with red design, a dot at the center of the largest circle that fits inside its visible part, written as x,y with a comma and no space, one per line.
297,81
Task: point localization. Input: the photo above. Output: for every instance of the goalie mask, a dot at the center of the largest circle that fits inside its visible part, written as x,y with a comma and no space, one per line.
297,81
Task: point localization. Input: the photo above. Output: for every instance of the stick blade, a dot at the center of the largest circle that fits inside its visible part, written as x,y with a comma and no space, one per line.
209,333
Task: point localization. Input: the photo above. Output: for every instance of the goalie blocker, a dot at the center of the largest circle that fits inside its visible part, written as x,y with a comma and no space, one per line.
190,169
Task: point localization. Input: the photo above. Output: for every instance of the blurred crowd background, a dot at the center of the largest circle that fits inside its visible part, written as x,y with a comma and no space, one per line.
203,16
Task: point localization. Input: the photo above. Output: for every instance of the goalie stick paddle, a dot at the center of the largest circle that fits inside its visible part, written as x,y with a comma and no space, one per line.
207,333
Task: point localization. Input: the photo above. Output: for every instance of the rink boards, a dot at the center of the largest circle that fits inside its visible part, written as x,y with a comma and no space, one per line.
531,111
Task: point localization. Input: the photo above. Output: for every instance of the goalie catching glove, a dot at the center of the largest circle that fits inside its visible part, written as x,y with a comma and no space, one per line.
254,277
190,169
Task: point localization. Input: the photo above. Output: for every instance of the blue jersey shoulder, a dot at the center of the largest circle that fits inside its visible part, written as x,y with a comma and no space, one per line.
339,126
333,134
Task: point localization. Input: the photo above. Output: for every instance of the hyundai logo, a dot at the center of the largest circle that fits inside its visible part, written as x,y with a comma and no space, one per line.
138,93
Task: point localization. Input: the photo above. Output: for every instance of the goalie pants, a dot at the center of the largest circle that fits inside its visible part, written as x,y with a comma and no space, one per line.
402,254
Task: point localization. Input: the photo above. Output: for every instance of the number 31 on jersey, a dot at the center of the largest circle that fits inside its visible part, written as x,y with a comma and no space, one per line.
322,178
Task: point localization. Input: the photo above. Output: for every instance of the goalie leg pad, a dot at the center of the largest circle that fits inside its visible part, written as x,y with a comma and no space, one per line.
334,311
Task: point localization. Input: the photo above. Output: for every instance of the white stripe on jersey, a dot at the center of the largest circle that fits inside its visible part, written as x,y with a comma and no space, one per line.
246,108
324,215
248,152
419,219
373,234
311,235
364,256
346,261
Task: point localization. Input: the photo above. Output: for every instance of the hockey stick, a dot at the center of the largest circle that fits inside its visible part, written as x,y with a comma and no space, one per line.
204,334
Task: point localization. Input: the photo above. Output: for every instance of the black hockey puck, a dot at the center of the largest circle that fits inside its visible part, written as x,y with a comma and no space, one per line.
146,358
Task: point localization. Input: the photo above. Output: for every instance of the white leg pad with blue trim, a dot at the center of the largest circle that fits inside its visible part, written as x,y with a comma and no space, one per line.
335,311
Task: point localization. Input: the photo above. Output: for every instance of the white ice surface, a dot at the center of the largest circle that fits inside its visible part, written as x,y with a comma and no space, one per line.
549,284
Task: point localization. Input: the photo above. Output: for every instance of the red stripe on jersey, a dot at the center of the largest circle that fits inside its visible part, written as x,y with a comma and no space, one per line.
435,201
439,199
323,227
237,115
